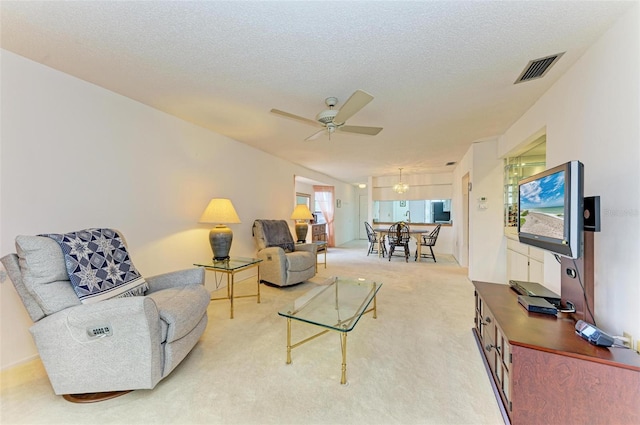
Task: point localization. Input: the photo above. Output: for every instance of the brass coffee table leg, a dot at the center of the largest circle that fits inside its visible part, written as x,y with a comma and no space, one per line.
375,308
288,340
343,341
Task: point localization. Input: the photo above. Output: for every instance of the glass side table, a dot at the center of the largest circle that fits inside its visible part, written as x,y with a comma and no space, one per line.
321,248
230,267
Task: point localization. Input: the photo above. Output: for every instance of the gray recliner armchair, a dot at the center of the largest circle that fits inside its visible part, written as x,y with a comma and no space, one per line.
284,262
111,345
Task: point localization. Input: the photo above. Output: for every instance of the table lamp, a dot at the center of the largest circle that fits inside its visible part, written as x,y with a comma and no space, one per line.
221,212
301,214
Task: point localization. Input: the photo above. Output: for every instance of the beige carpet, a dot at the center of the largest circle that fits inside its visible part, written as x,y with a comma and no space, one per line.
417,363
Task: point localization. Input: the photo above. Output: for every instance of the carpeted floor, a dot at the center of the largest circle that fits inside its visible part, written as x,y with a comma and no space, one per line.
417,363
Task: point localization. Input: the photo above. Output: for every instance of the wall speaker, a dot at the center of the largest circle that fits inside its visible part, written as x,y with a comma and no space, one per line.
592,213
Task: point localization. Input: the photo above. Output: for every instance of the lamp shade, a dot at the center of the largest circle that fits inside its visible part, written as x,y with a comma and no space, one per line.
220,210
301,212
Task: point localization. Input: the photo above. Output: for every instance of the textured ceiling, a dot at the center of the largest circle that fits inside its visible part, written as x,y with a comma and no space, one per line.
441,72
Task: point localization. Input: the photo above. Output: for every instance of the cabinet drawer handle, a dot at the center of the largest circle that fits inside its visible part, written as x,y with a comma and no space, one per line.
488,319
488,347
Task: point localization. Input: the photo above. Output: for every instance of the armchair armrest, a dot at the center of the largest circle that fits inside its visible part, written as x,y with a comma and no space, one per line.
126,357
274,264
273,254
309,247
176,279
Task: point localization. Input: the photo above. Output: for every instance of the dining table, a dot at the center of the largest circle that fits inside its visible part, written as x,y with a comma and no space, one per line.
415,233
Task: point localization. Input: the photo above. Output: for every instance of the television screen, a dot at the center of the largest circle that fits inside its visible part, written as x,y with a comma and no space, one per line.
542,206
550,206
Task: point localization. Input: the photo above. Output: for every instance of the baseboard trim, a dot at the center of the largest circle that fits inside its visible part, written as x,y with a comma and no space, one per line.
20,362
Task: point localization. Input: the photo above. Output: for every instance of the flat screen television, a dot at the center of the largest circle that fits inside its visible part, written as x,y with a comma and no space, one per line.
551,208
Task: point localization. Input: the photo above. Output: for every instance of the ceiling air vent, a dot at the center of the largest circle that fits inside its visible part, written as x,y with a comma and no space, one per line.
537,68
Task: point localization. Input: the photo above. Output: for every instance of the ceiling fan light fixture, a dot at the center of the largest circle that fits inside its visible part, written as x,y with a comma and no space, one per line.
331,128
400,187
327,116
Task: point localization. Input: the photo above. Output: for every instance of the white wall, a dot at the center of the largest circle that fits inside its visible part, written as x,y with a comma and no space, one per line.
75,155
487,258
592,114
487,224
421,186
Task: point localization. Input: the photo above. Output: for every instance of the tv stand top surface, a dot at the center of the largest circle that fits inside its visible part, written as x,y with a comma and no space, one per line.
555,334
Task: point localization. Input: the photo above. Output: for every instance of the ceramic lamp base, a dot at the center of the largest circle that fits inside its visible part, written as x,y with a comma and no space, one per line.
301,231
220,238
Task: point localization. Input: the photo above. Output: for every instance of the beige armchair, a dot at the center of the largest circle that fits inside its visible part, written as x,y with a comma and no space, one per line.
284,262
114,345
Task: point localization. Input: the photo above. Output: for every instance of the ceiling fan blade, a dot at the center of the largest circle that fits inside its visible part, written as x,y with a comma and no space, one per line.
370,131
357,101
315,135
296,117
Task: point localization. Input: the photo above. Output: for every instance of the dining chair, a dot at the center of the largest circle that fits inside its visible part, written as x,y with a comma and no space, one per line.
428,240
373,240
399,237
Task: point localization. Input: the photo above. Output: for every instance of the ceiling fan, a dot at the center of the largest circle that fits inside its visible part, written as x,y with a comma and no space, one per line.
334,119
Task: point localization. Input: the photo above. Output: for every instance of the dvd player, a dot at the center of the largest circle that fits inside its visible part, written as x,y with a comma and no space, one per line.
534,289
537,305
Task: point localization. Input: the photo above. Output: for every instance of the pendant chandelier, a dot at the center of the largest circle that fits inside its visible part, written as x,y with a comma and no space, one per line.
400,187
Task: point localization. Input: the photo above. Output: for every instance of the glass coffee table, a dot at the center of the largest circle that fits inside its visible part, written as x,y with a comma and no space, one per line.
336,306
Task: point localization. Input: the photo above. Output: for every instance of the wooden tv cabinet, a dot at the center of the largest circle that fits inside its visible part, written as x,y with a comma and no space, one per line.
543,373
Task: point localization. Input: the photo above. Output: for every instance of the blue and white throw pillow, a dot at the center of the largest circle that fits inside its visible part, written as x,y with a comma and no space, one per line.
99,266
